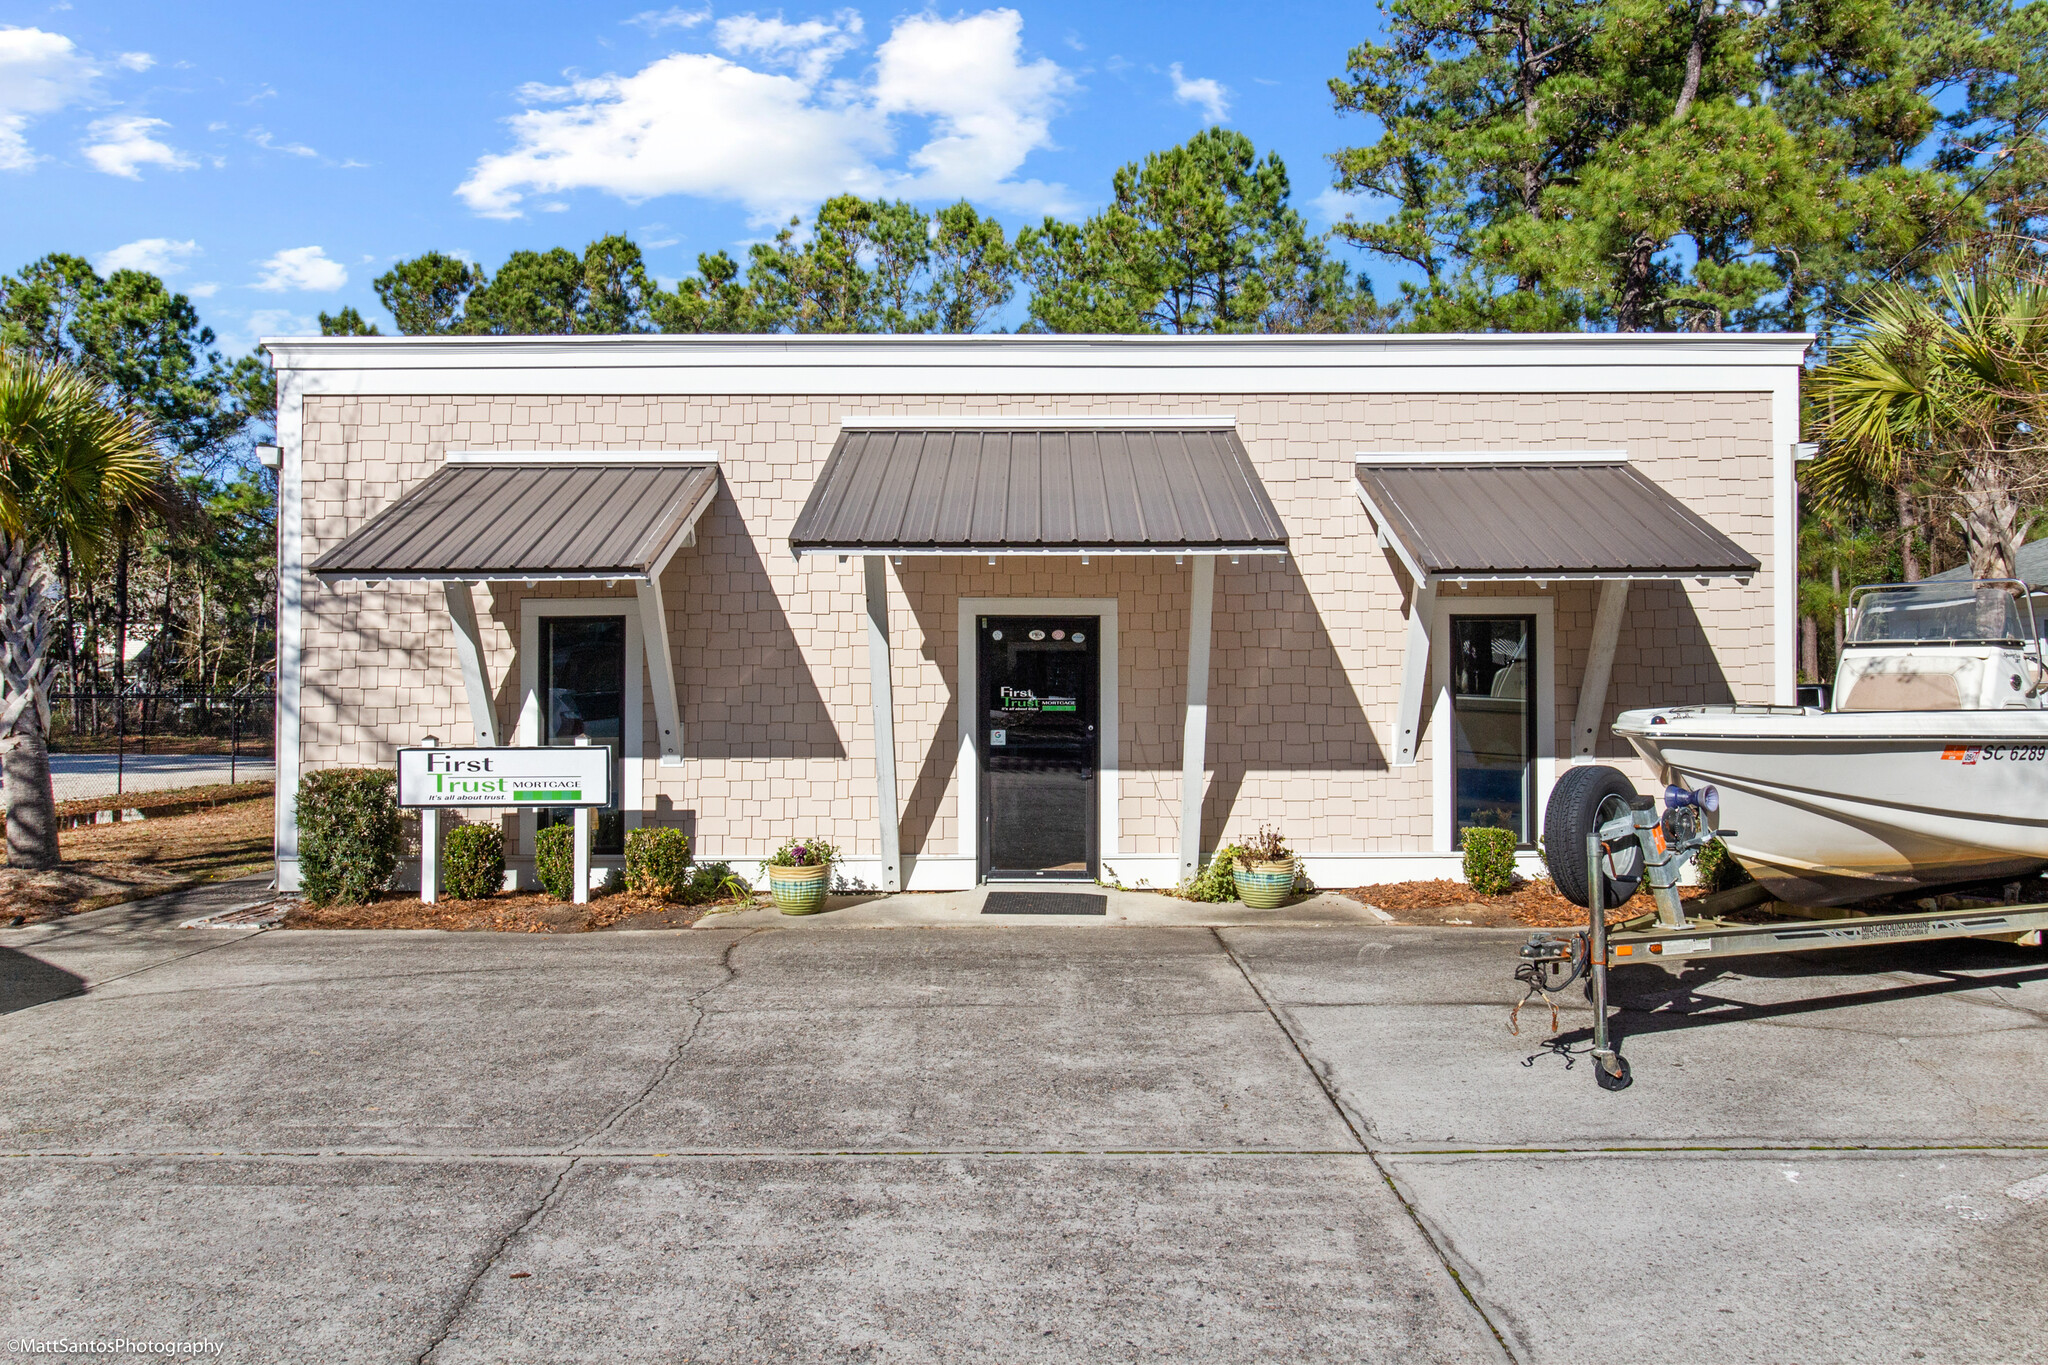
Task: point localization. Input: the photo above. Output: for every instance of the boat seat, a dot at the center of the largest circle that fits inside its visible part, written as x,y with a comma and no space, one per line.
1904,691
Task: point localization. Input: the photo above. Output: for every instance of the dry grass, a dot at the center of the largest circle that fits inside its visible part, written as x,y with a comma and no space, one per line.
220,794
109,864
1535,904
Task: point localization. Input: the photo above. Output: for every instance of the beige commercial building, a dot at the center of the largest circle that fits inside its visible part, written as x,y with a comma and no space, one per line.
1034,608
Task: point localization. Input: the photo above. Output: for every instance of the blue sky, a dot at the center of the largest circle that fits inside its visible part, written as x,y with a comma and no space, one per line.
273,160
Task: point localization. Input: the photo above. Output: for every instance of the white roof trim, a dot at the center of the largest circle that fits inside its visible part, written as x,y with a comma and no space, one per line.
583,455
1489,457
1083,422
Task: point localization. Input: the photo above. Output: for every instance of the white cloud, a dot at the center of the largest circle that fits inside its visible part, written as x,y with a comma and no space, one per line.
655,20
809,48
262,138
136,61
303,267
39,73
202,291
123,144
781,133
160,256
989,107
1213,96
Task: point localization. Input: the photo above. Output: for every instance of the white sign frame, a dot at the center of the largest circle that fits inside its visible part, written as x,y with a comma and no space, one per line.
476,770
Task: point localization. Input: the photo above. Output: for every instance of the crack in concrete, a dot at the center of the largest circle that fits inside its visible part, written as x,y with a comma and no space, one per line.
462,1300
1358,1126
698,1013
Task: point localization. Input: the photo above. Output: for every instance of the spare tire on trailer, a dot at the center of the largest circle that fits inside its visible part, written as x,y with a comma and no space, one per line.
1583,800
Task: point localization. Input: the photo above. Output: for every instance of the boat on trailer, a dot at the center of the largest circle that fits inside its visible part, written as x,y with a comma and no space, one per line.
1928,773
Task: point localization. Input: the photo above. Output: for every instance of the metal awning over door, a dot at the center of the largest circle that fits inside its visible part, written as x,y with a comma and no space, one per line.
1533,518
485,518
493,517
1034,489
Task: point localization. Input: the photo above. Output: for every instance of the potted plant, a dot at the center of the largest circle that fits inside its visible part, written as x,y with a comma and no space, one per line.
799,873
1264,870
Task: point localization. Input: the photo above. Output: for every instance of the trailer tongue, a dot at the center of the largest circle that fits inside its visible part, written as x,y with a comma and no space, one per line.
1629,844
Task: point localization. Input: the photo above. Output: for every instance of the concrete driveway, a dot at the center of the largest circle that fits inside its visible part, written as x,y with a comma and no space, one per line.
1016,1143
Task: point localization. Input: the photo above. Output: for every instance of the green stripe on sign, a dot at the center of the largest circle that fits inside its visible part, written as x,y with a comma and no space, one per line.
518,795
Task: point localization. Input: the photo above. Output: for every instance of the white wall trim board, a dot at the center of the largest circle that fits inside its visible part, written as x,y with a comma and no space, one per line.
1441,796
1785,536
995,365
291,640
966,767
1078,422
1330,871
528,730
1492,457
582,455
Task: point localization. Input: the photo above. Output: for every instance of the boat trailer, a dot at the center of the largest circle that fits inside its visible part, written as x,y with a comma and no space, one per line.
1551,961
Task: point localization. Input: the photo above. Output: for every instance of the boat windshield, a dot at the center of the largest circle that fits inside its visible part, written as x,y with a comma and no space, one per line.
1925,613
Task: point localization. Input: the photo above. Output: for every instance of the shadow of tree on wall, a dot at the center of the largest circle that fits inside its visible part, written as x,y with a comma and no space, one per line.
1280,698
1664,658
747,691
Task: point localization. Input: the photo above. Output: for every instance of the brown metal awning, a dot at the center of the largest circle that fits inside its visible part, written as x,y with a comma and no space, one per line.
531,518
1039,490
1543,520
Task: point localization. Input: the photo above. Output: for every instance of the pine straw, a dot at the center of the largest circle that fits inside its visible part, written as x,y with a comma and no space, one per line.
515,912
109,864
1533,903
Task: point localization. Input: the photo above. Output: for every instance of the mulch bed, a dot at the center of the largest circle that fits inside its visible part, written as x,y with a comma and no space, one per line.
1535,904
516,912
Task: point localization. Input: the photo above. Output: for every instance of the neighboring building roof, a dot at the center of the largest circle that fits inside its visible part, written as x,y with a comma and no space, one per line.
1543,519
2029,565
1038,488
530,518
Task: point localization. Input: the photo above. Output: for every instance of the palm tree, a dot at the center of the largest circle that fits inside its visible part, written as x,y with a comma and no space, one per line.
1951,393
70,461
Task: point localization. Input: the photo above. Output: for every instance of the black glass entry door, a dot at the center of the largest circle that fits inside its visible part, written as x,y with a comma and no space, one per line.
1036,734
583,682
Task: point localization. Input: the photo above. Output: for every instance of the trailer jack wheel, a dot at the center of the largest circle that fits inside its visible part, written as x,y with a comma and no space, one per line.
1621,1081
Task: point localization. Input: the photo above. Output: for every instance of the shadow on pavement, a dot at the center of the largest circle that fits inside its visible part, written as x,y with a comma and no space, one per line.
26,982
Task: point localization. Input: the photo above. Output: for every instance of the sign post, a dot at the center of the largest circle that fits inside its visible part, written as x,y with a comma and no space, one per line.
434,779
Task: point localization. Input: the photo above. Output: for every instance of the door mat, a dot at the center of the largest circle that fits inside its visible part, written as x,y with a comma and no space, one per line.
1044,903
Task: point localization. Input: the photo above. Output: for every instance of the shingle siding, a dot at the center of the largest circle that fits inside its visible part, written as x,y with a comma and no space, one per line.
770,653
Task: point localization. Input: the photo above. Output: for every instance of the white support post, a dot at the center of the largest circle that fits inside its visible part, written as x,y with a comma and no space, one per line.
884,705
469,652
1194,737
1414,673
661,671
430,855
1599,666
580,890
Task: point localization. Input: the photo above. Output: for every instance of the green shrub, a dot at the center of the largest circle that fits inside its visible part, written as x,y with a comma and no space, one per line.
1717,868
1214,882
658,863
554,861
473,861
1489,860
716,882
348,834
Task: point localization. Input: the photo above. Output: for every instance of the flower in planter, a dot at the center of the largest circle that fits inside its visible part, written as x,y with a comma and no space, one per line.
802,853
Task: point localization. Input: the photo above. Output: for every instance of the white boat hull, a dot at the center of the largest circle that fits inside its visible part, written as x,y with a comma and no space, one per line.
1829,807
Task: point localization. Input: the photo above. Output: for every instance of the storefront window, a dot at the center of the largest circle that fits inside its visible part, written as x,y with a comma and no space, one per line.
1493,671
583,691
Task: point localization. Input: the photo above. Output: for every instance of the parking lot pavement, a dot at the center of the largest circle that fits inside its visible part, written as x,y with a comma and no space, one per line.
83,777
1027,1143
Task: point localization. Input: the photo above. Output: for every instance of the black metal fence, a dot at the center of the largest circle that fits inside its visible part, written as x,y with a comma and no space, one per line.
169,720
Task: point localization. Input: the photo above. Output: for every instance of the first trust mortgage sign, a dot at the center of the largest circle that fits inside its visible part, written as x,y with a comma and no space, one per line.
550,778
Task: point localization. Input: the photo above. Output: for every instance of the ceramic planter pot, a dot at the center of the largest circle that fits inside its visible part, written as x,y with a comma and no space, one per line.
799,890
1264,886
